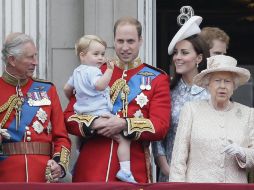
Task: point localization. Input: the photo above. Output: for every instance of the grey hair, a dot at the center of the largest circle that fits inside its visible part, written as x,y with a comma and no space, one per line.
13,45
236,79
235,76
206,80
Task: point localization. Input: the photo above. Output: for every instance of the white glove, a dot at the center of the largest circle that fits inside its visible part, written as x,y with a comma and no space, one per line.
4,133
235,150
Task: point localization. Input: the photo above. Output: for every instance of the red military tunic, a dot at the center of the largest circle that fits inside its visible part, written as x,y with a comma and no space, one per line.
51,130
95,159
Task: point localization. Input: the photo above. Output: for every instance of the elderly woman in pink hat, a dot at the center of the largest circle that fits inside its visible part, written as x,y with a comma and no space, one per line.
215,138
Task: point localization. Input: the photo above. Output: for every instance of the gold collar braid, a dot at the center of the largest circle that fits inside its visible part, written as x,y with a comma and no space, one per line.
10,79
130,65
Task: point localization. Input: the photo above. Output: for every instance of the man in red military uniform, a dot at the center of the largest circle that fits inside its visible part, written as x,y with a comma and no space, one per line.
141,103
33,139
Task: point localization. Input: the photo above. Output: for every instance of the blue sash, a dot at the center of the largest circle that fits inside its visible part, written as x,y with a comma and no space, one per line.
27,114
134,85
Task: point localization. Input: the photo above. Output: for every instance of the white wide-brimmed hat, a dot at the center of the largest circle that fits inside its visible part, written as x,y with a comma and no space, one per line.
189,28
224,63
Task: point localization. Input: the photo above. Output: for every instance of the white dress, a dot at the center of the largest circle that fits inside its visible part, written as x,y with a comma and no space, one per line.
201,137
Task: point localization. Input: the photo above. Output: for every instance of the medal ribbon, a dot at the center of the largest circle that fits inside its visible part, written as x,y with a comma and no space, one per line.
134,85
28,113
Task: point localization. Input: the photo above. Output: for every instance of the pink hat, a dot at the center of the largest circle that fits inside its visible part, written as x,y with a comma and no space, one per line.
219,63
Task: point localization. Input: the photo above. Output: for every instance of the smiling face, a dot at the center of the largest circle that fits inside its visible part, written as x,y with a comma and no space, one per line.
127,42
221,87
186,59
23,66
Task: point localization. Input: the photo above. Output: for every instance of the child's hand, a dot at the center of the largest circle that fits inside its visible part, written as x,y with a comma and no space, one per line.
110,64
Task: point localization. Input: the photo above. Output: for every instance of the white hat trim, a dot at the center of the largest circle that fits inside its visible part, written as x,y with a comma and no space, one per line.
189,28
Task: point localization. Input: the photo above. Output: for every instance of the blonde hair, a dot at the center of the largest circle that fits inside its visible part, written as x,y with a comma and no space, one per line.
84,42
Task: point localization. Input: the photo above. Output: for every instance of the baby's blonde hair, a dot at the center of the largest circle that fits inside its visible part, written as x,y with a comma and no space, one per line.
84,42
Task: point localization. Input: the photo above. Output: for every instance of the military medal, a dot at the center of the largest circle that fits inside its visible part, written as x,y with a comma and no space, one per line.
41,115
145,80
37,127
45,98
138,114
148,83
141,100
142,85
38,98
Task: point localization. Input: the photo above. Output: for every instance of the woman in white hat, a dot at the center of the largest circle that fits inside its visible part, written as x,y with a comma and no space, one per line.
189,52
215,138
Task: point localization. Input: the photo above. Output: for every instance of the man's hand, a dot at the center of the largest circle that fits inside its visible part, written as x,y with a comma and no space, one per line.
55,171
109,125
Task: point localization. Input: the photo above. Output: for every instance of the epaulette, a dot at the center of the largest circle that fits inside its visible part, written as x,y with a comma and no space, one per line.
157,69
42,80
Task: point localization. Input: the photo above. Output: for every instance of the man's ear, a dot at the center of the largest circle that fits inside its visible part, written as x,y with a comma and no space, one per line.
140,41
11,60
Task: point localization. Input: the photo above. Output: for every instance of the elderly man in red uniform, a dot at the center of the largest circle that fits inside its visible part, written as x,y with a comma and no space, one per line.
33,137
141,104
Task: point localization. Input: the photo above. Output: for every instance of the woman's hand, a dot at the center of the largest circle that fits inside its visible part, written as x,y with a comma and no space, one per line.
163,164
235,150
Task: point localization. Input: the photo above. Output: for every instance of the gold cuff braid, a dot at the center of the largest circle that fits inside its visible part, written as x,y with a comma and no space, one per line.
83,119
64,158
139,125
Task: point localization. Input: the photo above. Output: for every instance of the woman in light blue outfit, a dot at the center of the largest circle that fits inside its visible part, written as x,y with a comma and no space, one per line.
189,53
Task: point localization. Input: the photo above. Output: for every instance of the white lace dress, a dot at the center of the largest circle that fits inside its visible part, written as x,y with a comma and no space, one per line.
201,136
